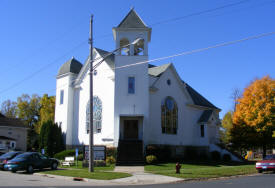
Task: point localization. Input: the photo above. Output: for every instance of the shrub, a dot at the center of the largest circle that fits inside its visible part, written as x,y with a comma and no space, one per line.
110,160
151,159
80,157
99,163
161,152
191,153
111,151
67,153
226,157
215,155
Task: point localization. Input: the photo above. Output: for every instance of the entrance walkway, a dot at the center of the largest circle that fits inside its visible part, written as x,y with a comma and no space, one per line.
140,177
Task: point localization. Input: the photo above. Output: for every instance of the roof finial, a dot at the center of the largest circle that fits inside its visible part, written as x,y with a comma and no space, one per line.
73,57
132,7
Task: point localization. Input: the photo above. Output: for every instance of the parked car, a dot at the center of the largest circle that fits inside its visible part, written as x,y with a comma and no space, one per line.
267,164
8,156
29,161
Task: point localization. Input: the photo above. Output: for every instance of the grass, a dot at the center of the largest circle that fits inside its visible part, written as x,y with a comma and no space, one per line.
203,170
100,173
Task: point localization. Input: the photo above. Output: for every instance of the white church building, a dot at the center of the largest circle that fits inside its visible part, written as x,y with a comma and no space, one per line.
134,106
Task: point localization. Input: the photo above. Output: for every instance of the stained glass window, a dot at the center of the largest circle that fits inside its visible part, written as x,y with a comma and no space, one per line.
97,115
169,116
131,85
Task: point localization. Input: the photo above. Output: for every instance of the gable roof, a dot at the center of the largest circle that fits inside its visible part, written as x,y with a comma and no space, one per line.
11,122
205,116
132,20
72,65
110,60
6,138
197,98
157,70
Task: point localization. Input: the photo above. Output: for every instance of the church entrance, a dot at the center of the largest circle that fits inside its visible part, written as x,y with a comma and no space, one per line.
130,145
130,129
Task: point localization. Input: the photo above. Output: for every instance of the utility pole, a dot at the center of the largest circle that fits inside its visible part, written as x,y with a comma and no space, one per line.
91,132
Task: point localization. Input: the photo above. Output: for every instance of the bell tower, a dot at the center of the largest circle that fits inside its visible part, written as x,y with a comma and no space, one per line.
131,82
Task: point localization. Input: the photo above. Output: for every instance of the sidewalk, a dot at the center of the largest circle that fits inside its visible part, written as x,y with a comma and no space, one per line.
139,178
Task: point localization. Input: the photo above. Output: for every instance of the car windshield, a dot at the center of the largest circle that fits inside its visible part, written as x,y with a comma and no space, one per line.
269,157
8,155
23,156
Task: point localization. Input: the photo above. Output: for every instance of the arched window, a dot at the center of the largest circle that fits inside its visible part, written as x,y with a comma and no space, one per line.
124,50
139,48
169,116
97,115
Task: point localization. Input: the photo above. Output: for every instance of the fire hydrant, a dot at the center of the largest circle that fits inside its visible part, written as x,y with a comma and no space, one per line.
178,167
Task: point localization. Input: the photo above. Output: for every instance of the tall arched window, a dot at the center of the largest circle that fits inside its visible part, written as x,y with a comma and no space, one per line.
139,48
124,50
97,115
169,116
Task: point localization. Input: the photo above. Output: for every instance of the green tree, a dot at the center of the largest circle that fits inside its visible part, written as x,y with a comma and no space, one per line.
28,110
51,139
47,109
255,110
227,124
8,108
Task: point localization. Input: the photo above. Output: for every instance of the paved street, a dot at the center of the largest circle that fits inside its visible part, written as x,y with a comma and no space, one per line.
22,180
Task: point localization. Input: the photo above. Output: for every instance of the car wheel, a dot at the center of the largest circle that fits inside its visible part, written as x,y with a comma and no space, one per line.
13,171
260,171
54,166
30,169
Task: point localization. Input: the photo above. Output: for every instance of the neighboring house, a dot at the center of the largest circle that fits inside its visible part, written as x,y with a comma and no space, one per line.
142,104
13,134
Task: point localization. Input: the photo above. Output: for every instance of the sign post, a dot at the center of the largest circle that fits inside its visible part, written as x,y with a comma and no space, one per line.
76,155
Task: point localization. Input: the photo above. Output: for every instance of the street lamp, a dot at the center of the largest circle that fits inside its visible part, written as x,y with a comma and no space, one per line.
92,68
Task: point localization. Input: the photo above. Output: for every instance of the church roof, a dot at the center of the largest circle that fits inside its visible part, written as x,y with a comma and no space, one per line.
205,116
109,60
197,98
157,70
132,20
72,66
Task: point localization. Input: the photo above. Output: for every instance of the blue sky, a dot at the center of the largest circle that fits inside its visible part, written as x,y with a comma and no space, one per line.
37,37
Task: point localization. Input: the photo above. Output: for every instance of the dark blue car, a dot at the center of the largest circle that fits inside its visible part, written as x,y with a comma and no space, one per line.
8,156
29,161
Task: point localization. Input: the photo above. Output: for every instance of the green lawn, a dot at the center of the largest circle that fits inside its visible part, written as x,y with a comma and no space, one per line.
206,170
100,173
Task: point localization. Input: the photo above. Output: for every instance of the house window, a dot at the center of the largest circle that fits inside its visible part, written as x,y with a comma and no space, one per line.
131,85
202,131
61,96
97,115
169,116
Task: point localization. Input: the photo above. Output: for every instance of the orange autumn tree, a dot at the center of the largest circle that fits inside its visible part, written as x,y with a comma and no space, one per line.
256,110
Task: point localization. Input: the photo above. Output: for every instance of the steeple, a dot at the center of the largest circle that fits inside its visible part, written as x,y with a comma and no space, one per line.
131,28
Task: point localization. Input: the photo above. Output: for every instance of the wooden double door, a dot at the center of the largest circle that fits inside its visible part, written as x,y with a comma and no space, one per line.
131,129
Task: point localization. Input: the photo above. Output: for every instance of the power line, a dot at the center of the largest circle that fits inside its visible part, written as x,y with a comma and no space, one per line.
200,13
186,52
200,49
42,69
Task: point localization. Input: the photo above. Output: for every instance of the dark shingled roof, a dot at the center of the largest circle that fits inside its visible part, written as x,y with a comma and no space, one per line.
72,65
5,138
11,122
157,70
197,98
110,60
205,116
132,20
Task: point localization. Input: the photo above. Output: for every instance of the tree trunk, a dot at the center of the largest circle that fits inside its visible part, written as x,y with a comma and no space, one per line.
264,151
